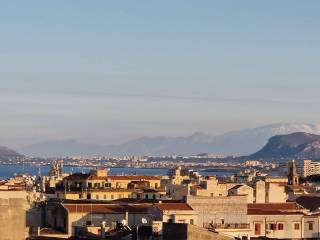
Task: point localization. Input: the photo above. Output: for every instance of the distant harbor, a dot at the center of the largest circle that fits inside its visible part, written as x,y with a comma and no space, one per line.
7,171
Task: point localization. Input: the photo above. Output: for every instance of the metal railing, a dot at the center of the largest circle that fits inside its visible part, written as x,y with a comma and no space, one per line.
227,225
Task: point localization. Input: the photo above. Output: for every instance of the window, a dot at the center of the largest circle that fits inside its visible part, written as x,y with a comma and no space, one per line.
146,196
310,224
280,226
112,197
272,226
296,226
89,185
154,196
80,196
88,223
105,196
191,221
97,197
107,185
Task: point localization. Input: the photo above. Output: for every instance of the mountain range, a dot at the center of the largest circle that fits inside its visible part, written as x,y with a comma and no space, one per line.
241,142
6,153
299,145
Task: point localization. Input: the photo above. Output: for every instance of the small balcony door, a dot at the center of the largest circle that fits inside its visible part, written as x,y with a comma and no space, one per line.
257,229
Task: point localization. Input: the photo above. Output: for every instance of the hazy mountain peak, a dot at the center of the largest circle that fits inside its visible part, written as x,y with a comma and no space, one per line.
242,142
201,137
6,153
294,145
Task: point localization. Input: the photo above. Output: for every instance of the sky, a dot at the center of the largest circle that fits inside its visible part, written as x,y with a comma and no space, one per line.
110,71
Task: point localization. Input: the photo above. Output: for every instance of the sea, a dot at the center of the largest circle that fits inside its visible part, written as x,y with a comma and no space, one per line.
7,171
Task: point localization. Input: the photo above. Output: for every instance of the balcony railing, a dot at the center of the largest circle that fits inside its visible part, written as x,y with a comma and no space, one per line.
227,226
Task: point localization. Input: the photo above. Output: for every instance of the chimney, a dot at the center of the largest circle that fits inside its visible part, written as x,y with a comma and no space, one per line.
127,217
103,230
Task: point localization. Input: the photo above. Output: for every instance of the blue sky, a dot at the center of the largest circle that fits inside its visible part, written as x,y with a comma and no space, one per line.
110,71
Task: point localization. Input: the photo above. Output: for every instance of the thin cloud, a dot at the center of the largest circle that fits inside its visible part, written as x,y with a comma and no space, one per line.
70,93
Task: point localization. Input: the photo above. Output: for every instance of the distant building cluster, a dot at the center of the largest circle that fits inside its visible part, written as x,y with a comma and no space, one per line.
184,204
307,168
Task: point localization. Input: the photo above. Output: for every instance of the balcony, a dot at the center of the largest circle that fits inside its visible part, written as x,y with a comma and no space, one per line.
227,226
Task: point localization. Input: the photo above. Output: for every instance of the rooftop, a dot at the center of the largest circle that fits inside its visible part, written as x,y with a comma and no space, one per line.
107,208
310,202
82,176
173,206
134,178
236,187
289,208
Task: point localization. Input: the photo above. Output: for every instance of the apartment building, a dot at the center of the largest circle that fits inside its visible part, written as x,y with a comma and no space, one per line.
306,168
97,185
270,190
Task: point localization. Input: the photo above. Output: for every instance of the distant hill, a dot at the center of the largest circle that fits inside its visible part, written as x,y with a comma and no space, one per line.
6,153
295,145
196,143
241,142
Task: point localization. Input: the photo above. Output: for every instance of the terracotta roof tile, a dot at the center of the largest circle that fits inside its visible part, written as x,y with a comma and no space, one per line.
107,208
289,208
310,202
173,206
236,187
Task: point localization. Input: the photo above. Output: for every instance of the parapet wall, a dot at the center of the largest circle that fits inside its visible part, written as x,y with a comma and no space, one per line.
12,218
189,232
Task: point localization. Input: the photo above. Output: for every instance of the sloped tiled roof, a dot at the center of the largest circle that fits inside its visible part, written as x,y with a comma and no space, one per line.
173,206
310,202
107,208
289,208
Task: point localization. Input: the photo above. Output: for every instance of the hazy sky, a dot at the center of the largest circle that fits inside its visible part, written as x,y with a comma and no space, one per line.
109,71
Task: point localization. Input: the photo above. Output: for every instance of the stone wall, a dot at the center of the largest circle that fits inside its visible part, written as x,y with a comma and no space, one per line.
219,210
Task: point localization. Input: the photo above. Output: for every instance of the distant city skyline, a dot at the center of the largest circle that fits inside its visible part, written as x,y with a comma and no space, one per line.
109,72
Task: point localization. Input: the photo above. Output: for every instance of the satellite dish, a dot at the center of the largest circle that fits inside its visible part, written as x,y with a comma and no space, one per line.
124,222
144,221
